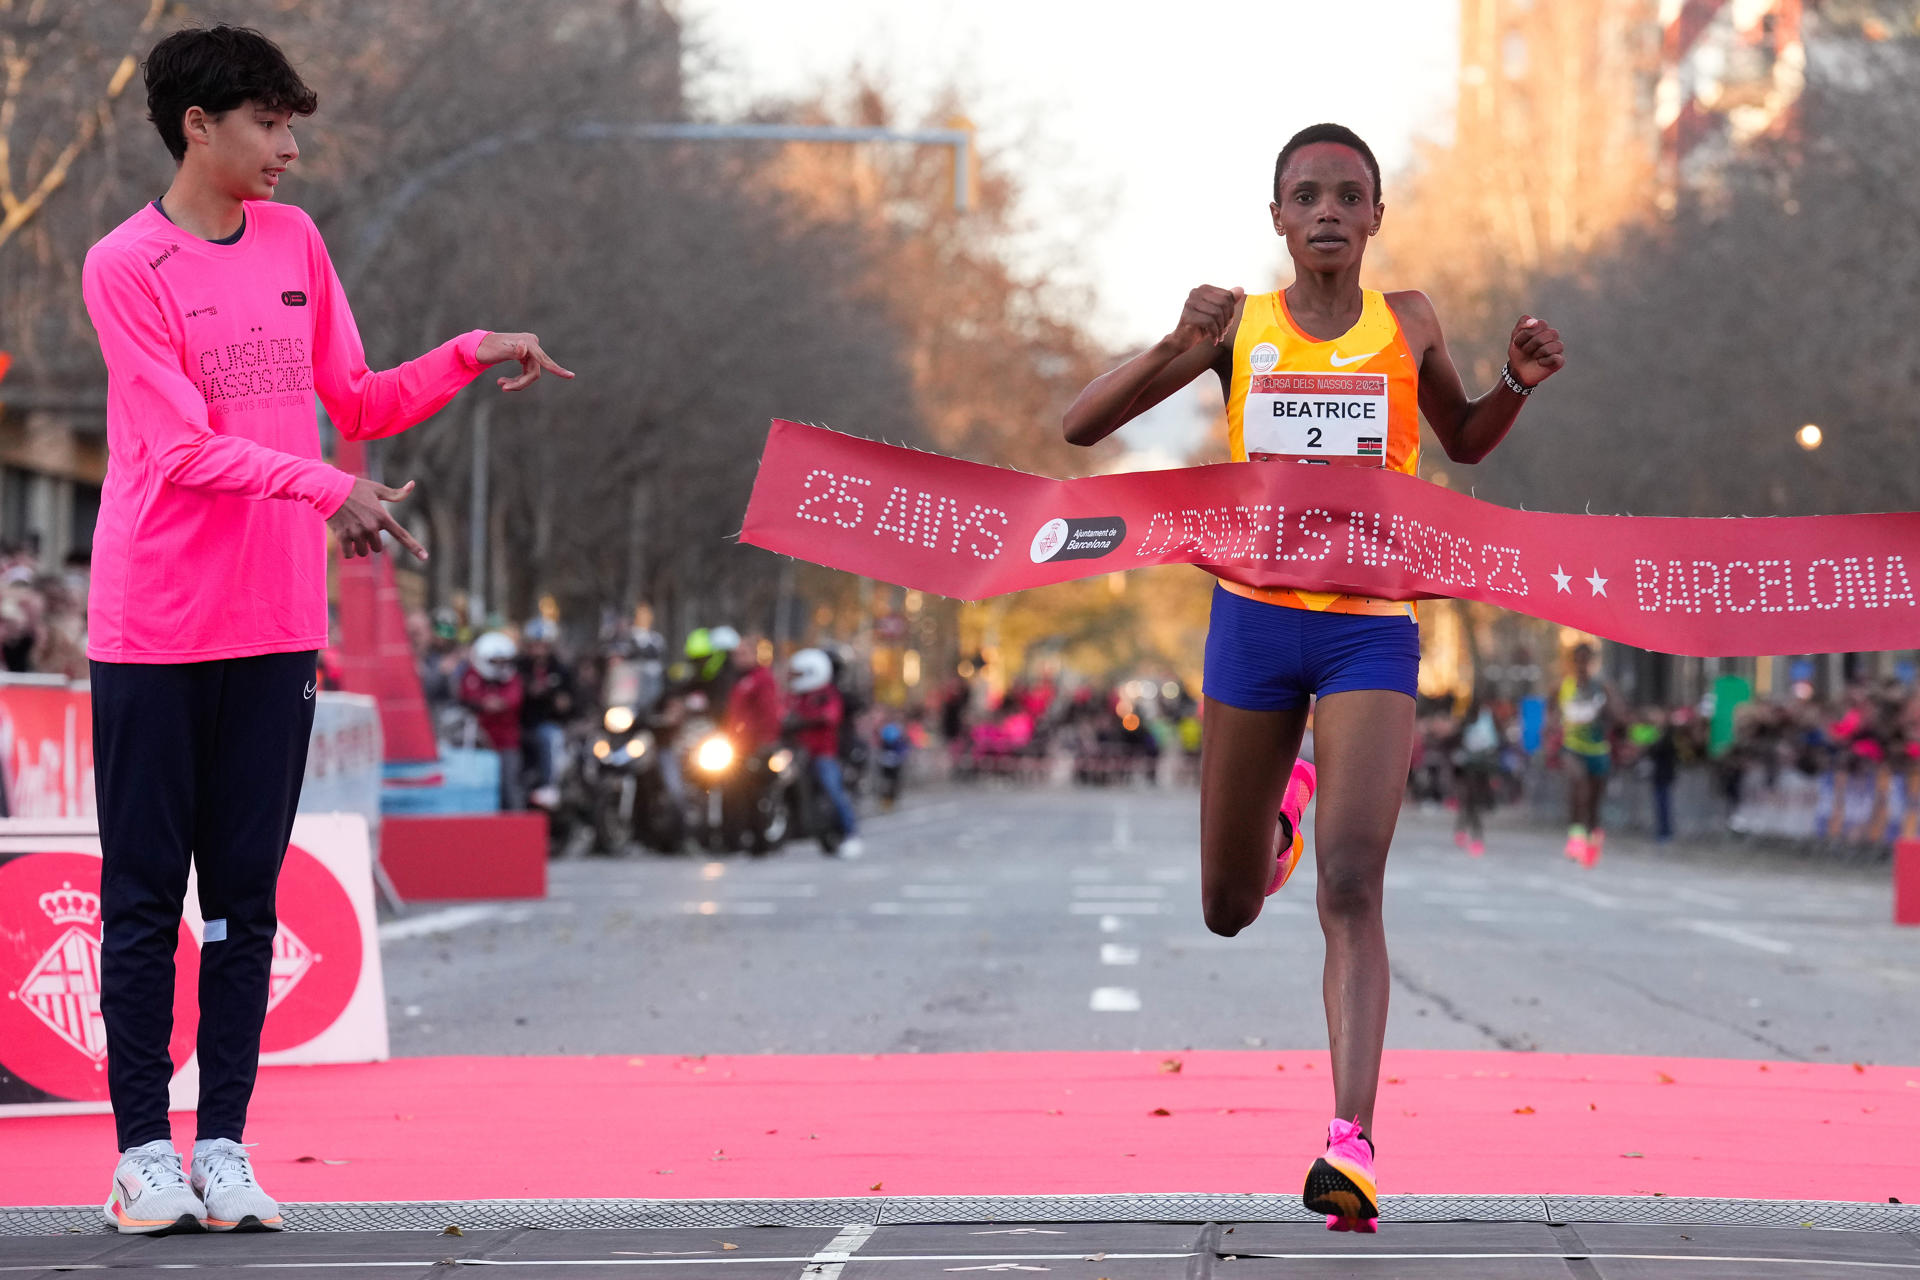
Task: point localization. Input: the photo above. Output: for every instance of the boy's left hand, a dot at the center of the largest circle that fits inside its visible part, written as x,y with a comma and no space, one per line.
524,347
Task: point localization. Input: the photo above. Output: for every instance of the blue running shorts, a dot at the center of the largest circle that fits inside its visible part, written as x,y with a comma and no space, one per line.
1269,657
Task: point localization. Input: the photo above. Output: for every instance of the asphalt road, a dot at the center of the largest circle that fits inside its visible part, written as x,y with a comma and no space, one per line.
1011,920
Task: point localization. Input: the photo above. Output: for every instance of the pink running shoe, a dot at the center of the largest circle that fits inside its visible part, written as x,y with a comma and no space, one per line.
1341,1184
1595,843
1577,844
1476,849
1299,790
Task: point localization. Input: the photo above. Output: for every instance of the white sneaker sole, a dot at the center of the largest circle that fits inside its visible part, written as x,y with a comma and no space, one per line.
185,1223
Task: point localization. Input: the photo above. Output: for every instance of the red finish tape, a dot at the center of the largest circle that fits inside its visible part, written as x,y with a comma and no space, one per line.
1713,588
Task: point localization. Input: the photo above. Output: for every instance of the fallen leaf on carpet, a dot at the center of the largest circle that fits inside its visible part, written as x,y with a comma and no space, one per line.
876,1186
1159,1111
1664,1077
1631,1155
1523,1111
1395,1080
1171,1066
1859,1068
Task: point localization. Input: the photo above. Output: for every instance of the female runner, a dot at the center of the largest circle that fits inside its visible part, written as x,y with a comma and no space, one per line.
1271,652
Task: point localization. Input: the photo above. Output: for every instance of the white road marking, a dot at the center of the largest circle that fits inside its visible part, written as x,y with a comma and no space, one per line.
1116,909
920,909
942,891
1701,898
1114,1000
1119,891
1112,924
438,922
776,889
1351,1259
1122,828
1168,875
1494,915
1734,933
1114,953
832,1260
1090,873
1592,897
713,908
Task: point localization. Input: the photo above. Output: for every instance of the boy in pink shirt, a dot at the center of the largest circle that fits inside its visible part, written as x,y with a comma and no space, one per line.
221,319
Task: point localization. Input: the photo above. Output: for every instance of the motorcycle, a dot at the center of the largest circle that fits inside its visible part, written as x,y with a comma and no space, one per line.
568,802
634,800
737,799
892,759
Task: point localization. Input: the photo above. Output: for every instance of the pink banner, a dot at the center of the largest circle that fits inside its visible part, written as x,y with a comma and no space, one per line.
1811,584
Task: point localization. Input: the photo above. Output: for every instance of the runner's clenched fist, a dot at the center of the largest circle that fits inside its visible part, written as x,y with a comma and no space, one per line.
1535,352
1207,316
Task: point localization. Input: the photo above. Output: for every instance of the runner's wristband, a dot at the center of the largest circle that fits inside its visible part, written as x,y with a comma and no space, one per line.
1514,384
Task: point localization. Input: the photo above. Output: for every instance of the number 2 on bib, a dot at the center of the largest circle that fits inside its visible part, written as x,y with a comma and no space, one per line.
1329,418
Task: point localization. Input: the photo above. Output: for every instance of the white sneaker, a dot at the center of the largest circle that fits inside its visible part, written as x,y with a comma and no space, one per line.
223,1175
851,847
150,1194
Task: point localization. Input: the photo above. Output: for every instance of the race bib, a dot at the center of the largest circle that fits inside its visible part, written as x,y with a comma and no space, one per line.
1329,418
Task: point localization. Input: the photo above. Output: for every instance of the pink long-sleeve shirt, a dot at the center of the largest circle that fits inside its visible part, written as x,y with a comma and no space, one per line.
212,537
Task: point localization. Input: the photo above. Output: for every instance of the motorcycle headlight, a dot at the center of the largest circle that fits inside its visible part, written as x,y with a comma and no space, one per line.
779,760
715,754
619,719
602,749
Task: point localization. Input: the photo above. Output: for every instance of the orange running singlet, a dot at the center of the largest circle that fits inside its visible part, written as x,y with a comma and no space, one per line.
1353,401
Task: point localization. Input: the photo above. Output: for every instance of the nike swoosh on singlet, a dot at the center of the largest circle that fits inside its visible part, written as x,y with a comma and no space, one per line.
1339,363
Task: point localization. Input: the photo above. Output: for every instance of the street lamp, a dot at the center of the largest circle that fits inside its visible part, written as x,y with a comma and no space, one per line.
1809,437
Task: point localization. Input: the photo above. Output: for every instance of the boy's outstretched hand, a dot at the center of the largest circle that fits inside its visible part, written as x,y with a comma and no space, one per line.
363,518
524,347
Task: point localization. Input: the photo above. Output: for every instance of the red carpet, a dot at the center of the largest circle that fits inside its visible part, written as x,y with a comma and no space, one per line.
1024,1123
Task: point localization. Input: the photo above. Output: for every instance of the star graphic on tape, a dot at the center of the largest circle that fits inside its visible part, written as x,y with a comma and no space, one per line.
1598,583
1561,578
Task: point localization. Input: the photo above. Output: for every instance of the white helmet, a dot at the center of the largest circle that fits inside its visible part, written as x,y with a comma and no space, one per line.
493,655
809,670
724,639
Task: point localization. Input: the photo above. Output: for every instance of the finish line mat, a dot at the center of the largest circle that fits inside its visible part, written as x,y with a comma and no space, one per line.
1544,1240
1714,588
1232,1122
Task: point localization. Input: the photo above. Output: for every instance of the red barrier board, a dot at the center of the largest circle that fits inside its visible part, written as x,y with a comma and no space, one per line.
326,1000
445,857
1813,584
1906,881
46,751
